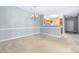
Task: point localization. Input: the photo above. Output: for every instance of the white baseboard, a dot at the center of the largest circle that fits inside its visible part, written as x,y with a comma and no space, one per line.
58,36
19,37
29,35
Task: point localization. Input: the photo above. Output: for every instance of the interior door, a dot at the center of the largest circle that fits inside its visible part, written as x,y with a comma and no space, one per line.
70,26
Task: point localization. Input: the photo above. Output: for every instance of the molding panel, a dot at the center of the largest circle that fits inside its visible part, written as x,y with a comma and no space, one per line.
6,33
19,37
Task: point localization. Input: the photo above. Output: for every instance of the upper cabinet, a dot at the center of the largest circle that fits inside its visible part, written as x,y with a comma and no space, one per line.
58,21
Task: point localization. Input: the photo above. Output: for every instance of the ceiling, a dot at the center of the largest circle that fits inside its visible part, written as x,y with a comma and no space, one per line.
48,10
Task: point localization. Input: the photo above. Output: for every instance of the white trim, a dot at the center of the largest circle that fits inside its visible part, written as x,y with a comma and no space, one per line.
58,36
25,28
19,37
18,28
13,38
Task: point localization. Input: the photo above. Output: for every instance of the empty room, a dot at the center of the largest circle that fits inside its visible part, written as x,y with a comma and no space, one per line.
39,29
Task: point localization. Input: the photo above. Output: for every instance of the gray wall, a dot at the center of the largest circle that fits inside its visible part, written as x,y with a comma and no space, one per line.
78,23
13,17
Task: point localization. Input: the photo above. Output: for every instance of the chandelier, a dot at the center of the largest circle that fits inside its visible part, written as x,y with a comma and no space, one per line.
34,16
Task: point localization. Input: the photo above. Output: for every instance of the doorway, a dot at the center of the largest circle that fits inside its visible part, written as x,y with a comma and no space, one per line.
71,28
71,24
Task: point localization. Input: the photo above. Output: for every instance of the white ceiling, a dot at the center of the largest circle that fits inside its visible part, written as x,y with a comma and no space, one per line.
48,10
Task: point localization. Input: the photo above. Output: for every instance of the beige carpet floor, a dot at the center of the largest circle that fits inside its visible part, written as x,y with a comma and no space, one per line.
39,43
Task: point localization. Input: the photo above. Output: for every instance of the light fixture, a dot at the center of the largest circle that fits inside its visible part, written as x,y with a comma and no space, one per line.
34,16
